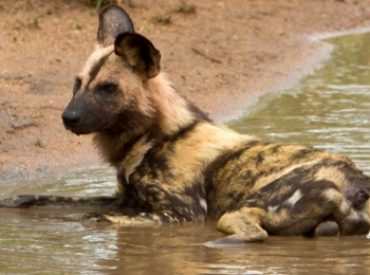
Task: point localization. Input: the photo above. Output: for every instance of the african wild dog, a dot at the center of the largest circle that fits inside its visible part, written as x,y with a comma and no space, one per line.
174,164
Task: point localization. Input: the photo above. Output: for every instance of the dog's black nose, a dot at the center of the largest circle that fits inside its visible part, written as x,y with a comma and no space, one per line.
70,118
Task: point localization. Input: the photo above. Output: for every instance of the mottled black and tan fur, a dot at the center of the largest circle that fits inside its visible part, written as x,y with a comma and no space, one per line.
174,164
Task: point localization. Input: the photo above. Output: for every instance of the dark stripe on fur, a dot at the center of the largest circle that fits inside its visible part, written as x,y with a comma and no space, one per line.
279,190
199,114
223,159
304,153
182,133
155,160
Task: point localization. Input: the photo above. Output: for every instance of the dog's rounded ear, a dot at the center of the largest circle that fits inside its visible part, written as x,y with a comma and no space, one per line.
139,53
113,20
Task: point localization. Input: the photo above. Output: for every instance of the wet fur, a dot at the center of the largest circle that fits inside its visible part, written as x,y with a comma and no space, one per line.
174,164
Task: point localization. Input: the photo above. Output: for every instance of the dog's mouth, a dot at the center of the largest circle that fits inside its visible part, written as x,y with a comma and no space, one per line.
77,128
73,122
78,131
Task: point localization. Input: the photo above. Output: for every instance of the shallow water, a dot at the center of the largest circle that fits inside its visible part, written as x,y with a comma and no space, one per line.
329,109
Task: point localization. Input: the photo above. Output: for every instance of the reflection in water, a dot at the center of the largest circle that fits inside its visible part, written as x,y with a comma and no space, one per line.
329,109
41,241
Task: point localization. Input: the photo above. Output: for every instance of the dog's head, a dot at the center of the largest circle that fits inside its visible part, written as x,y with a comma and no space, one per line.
111,85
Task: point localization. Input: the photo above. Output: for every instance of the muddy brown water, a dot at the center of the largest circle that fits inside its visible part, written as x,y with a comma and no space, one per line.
329,109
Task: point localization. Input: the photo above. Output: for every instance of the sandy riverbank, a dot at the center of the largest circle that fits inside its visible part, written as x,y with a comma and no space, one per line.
246,48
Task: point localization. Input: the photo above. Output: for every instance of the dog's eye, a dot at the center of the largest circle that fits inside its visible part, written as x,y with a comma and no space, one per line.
77,85
107,88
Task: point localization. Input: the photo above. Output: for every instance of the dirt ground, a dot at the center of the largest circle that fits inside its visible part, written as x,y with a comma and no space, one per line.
219,54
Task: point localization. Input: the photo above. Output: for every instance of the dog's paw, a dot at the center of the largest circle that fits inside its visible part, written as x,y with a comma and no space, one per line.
95,217
21,201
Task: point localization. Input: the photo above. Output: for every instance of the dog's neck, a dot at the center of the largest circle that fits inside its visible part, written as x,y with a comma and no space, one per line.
172,111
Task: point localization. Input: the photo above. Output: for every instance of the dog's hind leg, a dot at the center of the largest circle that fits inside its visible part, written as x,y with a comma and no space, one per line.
243,225
355,222
324,213
350,213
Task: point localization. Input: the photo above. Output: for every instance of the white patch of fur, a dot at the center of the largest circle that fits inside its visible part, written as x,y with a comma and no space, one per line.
368,235
263,181
203,204
97,55
172,109
271,208
333,195
135,157
294,198
143,102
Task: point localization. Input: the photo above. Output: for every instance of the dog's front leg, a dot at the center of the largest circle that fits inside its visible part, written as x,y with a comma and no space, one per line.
140,219
243,225
26,201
